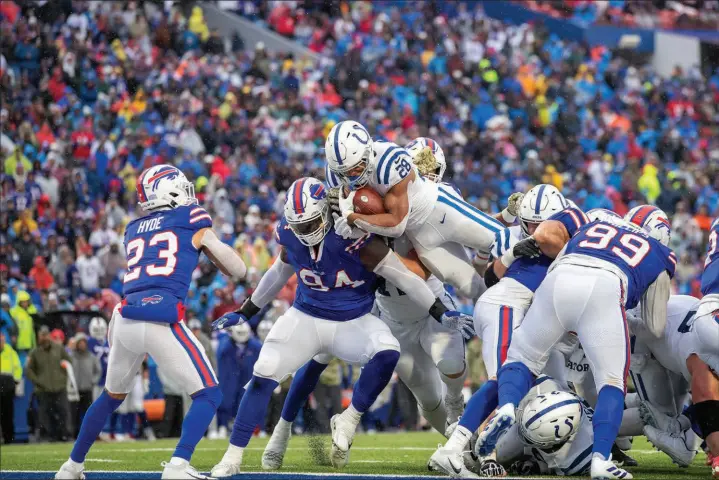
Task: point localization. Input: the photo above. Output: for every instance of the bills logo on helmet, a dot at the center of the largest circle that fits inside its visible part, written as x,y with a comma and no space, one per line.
318,191
167,172
152,300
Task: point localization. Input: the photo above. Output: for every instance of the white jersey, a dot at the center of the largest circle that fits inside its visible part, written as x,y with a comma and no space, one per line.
390,166
507,291
678,341
394,304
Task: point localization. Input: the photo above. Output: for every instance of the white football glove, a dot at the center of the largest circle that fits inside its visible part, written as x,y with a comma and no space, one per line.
344,229
346,203
461,322
513,203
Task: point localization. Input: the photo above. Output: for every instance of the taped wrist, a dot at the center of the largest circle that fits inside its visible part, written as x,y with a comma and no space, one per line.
508,217
437,310
392,268
706,414
249,309
272,282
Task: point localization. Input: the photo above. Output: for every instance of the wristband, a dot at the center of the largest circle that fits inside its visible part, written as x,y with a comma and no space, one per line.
508,217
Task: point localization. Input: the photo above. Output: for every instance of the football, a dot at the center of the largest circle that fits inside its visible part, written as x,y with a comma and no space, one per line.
368,202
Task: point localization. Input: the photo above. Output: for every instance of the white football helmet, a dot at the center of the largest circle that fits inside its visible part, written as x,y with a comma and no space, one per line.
307,211
349,153
263,329
601,214
164,186
97,328
433,172
240,333
540,203
550,419
652,219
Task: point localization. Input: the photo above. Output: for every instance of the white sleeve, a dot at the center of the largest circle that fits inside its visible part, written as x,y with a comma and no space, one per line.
393,232
654,304
272,282
228,258
392,268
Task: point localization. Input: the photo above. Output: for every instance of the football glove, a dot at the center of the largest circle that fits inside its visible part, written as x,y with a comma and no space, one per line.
228,320
333,197
526,248
344,230
513,203
455,320
347,203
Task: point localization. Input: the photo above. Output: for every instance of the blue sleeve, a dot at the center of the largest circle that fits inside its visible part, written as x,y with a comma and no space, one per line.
198,218
572,218
331,178
671,262
501,243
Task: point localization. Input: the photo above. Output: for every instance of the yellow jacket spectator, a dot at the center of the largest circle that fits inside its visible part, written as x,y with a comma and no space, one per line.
10,377
197,24
22,313
649,184
25,220
9,360
552,177
15,158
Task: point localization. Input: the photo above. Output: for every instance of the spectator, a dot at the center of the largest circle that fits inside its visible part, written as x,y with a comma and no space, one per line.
7,324
87,372
328,394
174,411
46,369
10,378
113,260
22,314
89,270
41,275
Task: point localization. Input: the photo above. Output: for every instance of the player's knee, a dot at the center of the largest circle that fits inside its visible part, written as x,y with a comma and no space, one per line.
608,380
704,385
116,396
213,395
388,358
428,401
451,367
268,363
385,342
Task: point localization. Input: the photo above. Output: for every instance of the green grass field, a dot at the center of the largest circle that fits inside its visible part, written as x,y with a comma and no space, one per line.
382,454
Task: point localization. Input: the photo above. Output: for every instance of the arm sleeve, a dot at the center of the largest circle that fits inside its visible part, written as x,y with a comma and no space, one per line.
654,304
392,268
572,218
224,254
272,282
393,232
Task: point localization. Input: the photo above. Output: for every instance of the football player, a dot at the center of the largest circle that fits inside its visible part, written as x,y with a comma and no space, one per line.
162,249
605,266
97,344
331,315
436,218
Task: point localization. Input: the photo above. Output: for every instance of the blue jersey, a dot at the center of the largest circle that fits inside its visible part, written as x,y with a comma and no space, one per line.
333,284
710,277
160,262
101,350
529,271
622,244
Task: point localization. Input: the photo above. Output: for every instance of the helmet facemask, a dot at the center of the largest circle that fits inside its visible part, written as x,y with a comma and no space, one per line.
312,230
357,176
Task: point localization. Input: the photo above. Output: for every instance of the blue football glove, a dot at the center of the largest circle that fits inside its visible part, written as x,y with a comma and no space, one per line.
461,322
228,320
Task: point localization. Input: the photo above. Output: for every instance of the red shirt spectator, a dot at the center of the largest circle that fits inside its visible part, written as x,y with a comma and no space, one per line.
41,275
56,85
82,142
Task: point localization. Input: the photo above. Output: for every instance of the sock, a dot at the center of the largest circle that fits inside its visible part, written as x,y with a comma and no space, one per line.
198,418
143,419
233,454
114,423
179,462
128,424
437,417
480,406
607,419
92,425
514,381
459,439
632,424
352,415
454,385
375,375
302,385
252,410
283,424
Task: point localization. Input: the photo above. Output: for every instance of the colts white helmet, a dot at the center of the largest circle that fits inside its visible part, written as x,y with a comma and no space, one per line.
240,333
263,329
433,172
164,186
307,211
652,219
97,328
602,214
349,153
550,419
538,204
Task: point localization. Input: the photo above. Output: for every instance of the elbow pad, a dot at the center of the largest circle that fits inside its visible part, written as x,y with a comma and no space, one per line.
393,232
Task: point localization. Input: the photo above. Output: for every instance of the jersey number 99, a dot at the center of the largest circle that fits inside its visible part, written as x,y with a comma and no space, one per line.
632,249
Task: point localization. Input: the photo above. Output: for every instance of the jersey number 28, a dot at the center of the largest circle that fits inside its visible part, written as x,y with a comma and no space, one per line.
632,249
136,248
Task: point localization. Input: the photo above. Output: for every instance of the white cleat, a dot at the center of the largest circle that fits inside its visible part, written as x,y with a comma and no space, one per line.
275,450
225,469
149,434
606,470
454,407
181,472
342,434
496,427
450,462
222,432
674,445
652,416
71,471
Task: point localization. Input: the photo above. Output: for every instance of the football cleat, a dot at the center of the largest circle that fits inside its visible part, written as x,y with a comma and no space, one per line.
650,415
225,469
71,471
342,434
496,427
674,445
181,472
491,468
606,470
449,462
621,459
275,450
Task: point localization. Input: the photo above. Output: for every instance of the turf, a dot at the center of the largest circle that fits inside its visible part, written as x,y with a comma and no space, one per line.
382,454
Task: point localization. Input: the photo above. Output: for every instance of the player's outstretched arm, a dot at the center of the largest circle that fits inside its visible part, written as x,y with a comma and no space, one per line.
509,214
654,304
270,285
392,223
383,261
221,254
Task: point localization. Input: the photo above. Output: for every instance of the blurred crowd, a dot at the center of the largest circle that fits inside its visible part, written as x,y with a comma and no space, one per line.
92,93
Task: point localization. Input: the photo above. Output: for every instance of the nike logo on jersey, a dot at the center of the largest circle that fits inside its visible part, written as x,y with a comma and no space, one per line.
442,221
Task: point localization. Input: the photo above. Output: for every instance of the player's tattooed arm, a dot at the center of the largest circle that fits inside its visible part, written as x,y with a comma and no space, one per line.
222,255
392,223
